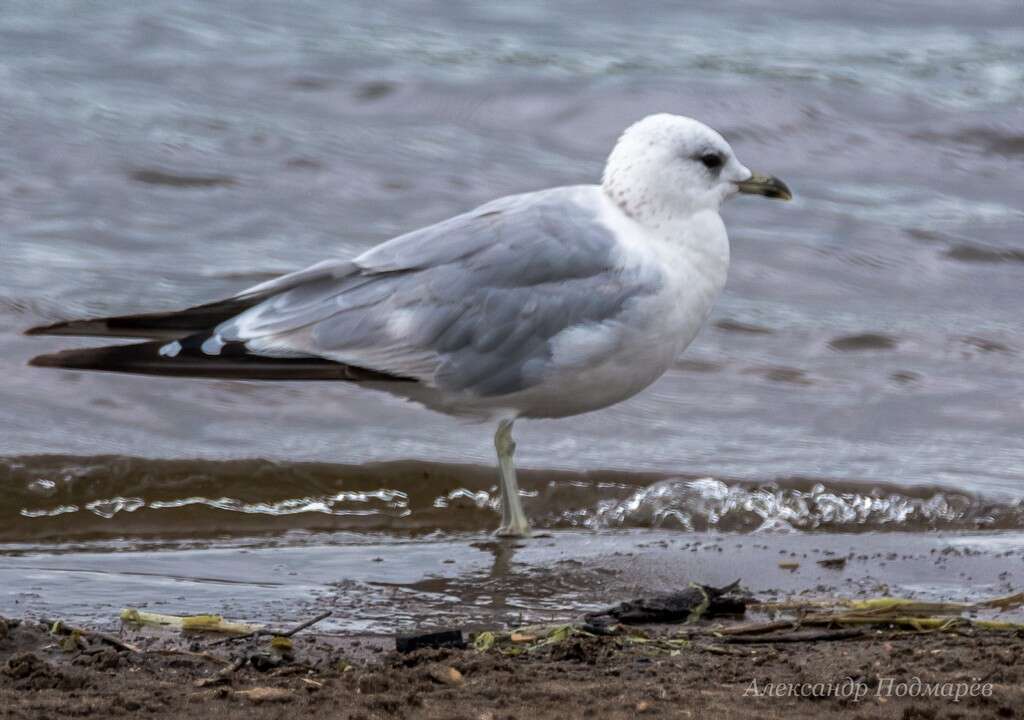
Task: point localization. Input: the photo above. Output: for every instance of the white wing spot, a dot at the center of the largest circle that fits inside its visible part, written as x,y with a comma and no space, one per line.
171,349
582,345
401,323
212,345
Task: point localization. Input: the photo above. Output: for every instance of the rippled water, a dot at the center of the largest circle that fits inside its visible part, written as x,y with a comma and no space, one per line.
65,499
863,369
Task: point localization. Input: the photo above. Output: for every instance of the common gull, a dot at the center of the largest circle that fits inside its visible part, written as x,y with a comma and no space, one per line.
540,305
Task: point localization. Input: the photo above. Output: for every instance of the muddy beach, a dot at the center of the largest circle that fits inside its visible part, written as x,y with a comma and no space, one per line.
532,643
705,668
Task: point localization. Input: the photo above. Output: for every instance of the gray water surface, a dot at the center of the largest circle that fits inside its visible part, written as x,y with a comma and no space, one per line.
870,338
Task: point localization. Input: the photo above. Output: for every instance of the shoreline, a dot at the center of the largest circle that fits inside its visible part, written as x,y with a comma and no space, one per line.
376,584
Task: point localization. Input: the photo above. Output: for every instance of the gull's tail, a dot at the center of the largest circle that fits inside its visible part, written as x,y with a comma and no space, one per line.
185,358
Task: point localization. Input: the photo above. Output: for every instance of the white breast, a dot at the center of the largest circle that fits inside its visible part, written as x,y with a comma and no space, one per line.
602,364
692,258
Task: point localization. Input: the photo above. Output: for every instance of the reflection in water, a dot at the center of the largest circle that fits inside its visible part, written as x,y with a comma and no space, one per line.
497,588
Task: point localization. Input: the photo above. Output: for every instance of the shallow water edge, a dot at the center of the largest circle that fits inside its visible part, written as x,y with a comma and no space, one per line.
61,498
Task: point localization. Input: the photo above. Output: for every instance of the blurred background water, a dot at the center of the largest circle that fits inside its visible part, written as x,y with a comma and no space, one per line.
864,362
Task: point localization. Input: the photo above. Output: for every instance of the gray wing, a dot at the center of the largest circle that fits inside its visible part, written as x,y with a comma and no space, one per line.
470,304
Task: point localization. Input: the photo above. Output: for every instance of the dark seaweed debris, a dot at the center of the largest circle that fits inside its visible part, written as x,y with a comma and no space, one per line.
694,602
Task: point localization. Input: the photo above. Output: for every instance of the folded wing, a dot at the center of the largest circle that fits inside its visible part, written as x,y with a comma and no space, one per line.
468,305
472,304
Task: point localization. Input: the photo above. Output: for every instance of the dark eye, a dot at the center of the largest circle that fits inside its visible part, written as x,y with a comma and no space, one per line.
711,161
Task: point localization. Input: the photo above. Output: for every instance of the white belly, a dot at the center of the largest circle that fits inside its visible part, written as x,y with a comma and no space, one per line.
657,330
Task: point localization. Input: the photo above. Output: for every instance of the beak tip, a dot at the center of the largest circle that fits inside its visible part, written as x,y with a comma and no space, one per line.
784,192
767,186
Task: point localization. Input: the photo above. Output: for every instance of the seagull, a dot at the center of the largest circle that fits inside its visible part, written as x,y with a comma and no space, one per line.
540,305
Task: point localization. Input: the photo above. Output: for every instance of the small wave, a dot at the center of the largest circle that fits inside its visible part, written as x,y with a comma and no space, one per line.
375,90
781,374
996,140
741,327
863,341
178,180
982,254
709,504
342,503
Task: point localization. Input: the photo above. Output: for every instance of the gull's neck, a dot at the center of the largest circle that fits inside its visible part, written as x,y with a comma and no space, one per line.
696,238
658,216
658,212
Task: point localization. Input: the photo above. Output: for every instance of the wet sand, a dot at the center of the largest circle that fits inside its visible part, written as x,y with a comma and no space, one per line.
382,585
378,585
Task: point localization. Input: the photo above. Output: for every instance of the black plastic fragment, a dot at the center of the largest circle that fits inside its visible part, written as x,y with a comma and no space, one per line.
442,638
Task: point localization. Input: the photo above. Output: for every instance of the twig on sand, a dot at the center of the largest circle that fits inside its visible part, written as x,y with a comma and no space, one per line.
278,633
223,674
301,626
902,613
812,636
759,628
719,650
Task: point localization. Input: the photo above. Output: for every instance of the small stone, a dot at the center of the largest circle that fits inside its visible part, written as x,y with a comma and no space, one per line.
833,563
445,675
265,694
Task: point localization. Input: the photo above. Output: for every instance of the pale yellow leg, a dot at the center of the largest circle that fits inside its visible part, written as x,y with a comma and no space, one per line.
513,519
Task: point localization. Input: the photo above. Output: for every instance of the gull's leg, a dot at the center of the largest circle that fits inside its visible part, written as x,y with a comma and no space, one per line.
513,519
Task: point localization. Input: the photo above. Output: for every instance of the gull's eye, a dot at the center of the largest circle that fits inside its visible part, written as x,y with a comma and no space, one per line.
712,161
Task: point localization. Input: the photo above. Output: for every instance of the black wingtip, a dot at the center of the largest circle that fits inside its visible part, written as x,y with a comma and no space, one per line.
232,363
101,358
156,326
52,360
69,327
